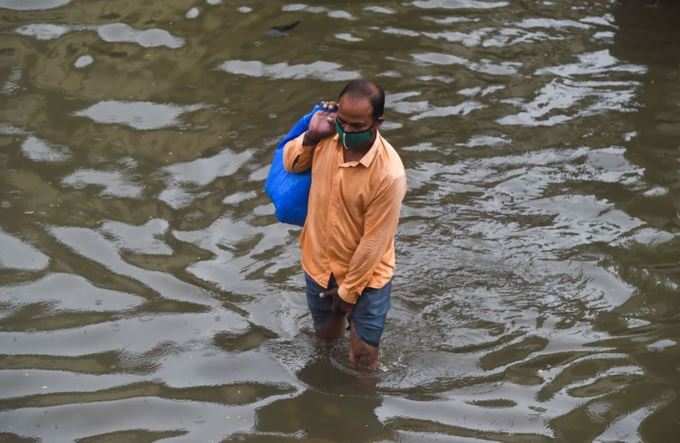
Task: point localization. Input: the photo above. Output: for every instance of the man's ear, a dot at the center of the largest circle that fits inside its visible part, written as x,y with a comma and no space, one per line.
379,121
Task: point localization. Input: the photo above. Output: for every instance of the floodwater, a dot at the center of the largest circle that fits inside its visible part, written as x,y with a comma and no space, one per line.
148,294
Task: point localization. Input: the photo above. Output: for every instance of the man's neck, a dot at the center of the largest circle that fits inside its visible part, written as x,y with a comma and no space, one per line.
353,156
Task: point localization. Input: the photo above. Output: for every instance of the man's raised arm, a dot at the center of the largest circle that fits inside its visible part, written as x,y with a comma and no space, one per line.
298,153
297,156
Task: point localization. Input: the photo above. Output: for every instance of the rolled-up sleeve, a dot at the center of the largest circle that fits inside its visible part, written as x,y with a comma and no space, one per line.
297,158
380,227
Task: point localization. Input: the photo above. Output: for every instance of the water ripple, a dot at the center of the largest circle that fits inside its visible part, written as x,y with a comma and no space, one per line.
112,33
137,115
16,254
319,70
147,290
459,4
32,5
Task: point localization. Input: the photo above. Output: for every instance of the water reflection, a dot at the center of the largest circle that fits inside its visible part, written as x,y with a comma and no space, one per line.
485,67
39,150
83,61
138,115
114,183
146,288
459,4
331,394
199,173
113,33
65,292
317,70
15,254
31,5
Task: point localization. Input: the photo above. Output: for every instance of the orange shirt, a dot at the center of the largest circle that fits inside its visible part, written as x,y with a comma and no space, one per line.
353,213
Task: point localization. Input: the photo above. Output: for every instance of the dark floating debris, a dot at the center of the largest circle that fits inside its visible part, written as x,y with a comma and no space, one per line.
282,30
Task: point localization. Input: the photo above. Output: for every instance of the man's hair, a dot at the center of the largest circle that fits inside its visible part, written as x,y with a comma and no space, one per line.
361,88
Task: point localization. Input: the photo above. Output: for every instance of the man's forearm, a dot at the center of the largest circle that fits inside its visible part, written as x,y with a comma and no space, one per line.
296,156
309,140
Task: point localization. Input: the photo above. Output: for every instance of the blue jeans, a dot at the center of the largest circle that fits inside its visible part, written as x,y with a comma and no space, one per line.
368,315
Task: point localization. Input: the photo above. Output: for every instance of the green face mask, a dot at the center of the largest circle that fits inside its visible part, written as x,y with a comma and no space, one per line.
354,141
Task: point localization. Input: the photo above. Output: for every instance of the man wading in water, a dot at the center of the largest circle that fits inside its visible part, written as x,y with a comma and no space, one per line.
358,184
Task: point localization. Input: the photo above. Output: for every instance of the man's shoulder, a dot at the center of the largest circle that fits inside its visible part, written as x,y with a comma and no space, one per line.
392,164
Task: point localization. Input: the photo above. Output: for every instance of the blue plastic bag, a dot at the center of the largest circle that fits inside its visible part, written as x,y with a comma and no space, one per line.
287,190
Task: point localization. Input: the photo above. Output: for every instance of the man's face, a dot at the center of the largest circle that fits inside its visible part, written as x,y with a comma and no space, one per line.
355,114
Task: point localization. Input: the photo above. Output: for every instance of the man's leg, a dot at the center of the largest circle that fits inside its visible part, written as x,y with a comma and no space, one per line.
328,323
368,322
334,327
361,354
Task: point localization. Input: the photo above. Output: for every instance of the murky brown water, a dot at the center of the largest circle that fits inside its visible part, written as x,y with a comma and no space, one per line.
146,292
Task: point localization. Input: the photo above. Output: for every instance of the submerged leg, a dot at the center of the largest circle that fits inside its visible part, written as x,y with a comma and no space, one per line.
333,328
367,325
328,322
362,354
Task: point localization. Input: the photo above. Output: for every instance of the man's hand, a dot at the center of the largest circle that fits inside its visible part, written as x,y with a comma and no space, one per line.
322,123
339,305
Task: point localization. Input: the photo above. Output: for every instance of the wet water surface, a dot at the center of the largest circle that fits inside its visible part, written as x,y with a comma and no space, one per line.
148,294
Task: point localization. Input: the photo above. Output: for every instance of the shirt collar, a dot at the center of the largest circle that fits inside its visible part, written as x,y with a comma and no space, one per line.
368,158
